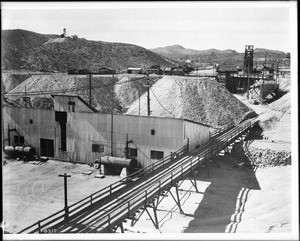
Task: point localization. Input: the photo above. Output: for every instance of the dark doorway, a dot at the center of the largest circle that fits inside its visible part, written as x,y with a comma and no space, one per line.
47,147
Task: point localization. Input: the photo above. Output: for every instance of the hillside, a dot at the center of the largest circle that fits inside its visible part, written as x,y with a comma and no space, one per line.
177,51
102,93
130,87
27,50
202,100
228,57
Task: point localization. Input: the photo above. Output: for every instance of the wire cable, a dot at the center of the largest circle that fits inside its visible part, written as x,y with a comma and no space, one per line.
37,55
21,63
71,90
161,104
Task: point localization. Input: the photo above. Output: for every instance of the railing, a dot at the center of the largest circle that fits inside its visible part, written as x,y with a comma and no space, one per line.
101,194
152,188
133,199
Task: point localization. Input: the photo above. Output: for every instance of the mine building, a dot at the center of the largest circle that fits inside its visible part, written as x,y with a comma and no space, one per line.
154,70
178,71
74,131
168,71
134,71
104,70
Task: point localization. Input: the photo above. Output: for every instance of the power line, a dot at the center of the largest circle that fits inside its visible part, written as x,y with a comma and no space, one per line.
21,64
70,90
37,54
161,104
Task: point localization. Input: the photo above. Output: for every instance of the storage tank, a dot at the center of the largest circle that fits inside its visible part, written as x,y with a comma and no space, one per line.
10,151
27,151
118,162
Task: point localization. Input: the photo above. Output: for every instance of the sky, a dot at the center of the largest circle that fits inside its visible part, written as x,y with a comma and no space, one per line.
195,25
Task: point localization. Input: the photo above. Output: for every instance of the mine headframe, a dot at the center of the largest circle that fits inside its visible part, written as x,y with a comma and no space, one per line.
248,59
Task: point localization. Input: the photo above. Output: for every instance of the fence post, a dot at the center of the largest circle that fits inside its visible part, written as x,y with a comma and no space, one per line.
39,226
159,186
146,197
128,208
108,216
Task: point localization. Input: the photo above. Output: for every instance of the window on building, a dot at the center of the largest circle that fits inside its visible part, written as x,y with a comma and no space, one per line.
132,152
71,106
31,121
63,136
156,154
152,132
97,148
19,140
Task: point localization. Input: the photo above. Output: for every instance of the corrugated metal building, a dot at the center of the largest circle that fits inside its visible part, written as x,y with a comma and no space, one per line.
81,135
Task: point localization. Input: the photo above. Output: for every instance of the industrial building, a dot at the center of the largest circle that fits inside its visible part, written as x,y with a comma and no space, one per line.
75,132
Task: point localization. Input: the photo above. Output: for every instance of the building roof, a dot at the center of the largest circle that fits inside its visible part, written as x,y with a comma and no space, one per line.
134,68
105,68
80,98
227,68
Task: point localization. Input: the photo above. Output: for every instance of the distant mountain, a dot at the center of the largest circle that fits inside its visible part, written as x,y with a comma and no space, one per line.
177,51
261,50
224,57
28,50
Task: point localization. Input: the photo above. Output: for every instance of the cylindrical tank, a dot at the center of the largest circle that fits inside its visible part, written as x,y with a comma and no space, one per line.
27,151
9,151
118,161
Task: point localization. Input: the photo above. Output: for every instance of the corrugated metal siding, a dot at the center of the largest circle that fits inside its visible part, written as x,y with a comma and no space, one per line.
96,128
85,129
43,124
198,134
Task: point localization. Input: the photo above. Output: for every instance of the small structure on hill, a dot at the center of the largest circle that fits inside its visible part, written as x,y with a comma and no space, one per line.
104,70
168,71
178,70
155,69
134,70
64,34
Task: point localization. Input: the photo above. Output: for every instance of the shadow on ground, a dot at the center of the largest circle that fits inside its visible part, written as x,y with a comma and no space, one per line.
230,176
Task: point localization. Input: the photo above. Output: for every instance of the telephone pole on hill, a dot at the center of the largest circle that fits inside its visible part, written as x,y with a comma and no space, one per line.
148,95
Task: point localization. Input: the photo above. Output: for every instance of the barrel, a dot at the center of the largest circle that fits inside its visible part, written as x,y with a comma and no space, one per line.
27,151
9,151
118,162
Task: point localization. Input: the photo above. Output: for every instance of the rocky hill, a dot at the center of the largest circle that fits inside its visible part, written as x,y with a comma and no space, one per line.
198,99
40,88
211,56
23,49
177,51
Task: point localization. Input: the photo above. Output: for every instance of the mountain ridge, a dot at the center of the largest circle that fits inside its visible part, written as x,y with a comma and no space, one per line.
178,51
22,49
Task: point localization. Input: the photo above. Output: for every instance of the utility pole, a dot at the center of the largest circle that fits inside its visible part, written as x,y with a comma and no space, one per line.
139,102
65,176
112,126
148,95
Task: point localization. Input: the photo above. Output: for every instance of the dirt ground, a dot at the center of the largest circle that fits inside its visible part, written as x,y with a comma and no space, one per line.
32,192
231,199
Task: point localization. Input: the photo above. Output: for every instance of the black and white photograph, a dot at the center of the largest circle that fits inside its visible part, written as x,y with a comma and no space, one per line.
149,120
